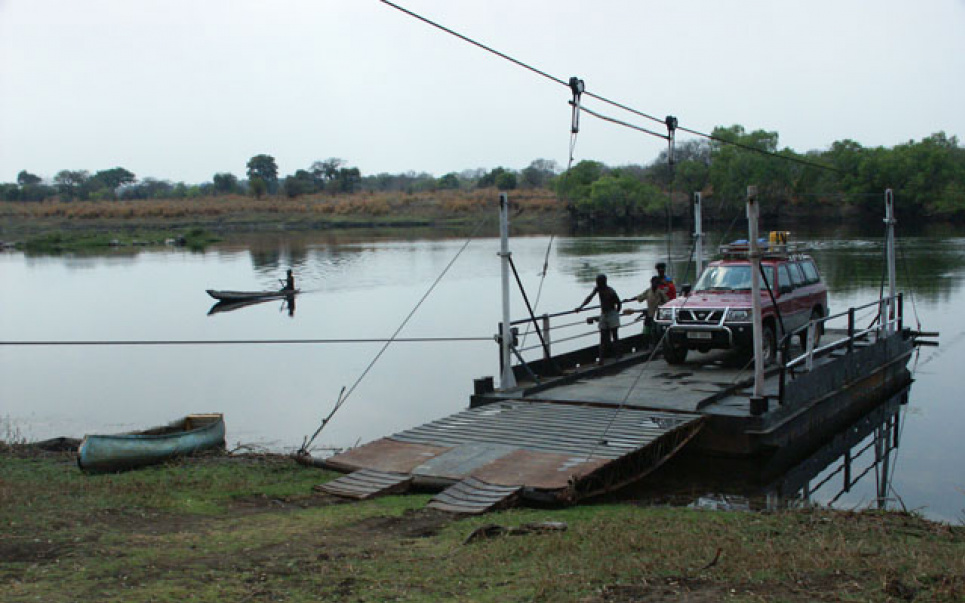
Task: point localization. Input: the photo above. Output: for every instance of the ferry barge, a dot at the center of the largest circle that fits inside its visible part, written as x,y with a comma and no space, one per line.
566,427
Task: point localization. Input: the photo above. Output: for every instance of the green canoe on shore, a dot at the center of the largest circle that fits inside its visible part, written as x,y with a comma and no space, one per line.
111,453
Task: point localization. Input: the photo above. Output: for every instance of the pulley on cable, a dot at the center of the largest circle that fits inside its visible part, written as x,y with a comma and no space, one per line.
577,87
671,122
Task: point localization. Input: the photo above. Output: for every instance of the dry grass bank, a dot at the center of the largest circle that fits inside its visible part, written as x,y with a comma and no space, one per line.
314,211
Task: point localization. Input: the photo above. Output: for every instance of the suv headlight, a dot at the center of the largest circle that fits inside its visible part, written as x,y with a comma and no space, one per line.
738,316
665,314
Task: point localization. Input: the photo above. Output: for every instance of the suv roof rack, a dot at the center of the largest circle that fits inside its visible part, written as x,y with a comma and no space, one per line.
774,246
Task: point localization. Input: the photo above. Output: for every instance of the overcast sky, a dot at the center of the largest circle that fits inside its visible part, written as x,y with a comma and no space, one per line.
183,89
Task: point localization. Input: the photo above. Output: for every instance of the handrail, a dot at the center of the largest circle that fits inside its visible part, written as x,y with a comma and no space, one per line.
848,343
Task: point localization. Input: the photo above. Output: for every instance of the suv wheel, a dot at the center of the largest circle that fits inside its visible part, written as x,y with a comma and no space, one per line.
674,354
769,344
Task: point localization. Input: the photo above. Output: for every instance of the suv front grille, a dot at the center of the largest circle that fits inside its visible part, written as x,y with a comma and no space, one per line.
687,316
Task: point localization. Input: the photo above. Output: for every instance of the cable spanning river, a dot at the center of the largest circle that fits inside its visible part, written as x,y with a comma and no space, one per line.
356,292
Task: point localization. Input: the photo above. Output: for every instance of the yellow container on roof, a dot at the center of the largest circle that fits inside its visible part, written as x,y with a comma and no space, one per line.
778,237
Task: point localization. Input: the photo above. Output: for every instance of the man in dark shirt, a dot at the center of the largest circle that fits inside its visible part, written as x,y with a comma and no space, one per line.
610,306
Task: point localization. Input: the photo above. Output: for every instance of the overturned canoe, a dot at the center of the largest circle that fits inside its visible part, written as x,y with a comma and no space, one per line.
119,452
235,296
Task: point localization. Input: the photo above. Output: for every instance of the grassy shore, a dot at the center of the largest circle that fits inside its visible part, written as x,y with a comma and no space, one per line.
92,223
251,528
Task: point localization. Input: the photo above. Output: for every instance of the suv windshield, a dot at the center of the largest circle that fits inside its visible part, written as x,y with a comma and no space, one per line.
725,278
728,278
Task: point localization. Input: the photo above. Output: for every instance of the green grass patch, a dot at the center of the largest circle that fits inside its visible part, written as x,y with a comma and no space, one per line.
223,528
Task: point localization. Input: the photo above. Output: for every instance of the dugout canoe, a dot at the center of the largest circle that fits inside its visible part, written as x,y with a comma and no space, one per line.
120,452
236,296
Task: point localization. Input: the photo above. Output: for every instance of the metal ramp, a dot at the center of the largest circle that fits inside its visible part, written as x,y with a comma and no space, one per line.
367,483
473,497
500,454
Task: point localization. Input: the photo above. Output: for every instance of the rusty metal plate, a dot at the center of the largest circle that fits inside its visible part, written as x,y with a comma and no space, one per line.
385,455
541,470
462,460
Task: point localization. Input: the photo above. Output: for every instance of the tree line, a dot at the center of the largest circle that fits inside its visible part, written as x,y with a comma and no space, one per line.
330,176
927,176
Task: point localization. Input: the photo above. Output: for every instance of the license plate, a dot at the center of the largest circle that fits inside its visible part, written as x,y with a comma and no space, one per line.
699,335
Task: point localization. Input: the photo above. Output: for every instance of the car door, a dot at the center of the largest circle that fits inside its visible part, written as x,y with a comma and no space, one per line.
798,309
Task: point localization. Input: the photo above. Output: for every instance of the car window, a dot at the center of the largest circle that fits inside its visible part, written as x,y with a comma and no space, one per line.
725,278
810,271
797,277
783,277
768,277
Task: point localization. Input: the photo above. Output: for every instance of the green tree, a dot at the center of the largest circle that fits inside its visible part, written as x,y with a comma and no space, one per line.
539,173
489,180
506,181
325,172
25,178
449,181
225,183
9,191
264,168
733,168
32,187
104,184
349,180
257,187
574,184
70,182
301,183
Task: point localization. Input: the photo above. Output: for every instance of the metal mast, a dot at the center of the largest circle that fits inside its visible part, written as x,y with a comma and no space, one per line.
506,378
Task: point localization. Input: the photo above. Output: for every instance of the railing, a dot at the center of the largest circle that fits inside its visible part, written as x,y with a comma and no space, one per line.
549,333
890,318
560,340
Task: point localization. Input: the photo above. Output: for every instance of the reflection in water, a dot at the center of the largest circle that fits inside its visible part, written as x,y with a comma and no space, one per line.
851,468
228,306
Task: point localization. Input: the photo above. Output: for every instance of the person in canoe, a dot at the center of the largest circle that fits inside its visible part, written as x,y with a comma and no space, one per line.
288,283
610,305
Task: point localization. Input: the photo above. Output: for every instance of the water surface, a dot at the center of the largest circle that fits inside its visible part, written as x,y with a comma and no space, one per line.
273,395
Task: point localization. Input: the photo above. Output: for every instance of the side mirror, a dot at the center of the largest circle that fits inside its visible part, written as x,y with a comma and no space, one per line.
685,289
785,289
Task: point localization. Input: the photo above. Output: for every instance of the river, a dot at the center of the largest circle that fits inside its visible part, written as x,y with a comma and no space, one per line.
357,288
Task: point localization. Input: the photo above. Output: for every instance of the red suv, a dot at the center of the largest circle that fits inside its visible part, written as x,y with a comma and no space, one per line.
717,313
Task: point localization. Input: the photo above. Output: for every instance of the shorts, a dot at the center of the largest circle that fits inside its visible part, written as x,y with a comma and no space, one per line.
610,320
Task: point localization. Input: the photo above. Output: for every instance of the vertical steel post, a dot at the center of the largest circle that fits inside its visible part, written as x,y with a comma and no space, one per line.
506,378
546,337
812,328
890,243
698,236
847,470
850,330
754,254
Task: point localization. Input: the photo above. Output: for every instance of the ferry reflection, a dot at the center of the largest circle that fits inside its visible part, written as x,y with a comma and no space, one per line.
851,468
287,302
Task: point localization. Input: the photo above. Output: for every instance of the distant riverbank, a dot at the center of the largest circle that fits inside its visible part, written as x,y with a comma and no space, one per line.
537,210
